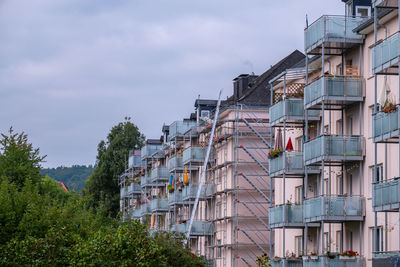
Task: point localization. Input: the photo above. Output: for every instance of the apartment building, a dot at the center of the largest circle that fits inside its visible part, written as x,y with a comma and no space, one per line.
160,185
336,186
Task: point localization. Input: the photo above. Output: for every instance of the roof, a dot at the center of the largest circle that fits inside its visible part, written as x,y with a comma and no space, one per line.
63,186
153,142
205,102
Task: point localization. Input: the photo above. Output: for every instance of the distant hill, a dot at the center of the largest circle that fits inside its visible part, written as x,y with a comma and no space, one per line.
73,177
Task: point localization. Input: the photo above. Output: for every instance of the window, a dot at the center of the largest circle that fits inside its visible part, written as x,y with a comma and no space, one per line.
339,69
205,113
339,127
299,245
350,125
326,129
380,239
339,184
299,143
326,242
379,174
219,254
350,240
338,241
363,11
298,194
219,210
350,184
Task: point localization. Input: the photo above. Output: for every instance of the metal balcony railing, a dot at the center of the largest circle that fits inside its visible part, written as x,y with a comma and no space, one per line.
334,90
386,195
159,174
145,181
190,192
290,110
134,188
286,215
159,204
334,208
175,198
385,125
294,164
338,261
194,154
178,128
386,54
334,148
149,149
337,29
175,163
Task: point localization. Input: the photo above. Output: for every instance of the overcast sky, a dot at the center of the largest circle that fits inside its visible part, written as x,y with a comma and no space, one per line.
71,69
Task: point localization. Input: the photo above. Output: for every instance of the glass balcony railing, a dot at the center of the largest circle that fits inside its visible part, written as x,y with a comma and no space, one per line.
385,3
334,148
159,174
294,164
159,204
289,262
136,214
285,215
145,181
338,261
385,258
175,163
333,89
149,149
334,208
178,128
200,228
179,228
386,54
194,154
291,109
145,209
385,125
134,161
134,188
332,29
175,198
190,192
386,195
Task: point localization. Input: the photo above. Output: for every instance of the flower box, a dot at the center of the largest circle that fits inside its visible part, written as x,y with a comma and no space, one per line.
347,258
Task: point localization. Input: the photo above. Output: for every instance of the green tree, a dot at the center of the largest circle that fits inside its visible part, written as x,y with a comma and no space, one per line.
18,159
112,155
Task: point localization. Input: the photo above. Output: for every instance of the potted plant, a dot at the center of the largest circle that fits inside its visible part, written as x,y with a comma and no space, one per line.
171,188
263,260
330,255
348,254
274,153
389,106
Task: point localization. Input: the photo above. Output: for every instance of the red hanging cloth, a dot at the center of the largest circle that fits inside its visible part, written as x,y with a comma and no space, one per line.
289,145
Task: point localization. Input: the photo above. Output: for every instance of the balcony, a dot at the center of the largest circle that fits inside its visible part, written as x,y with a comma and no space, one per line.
145,209
201,228
333,91
194,155
175,198
159,175
150,149
289,262
123,192
335,32
190,192
386,55
336,262
385,3
175,164
290,111
334,209
135,161
386,195
179,228
294,165
136,214
385,126
178,128
330,148
159,205
134,189
385,258
293,216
